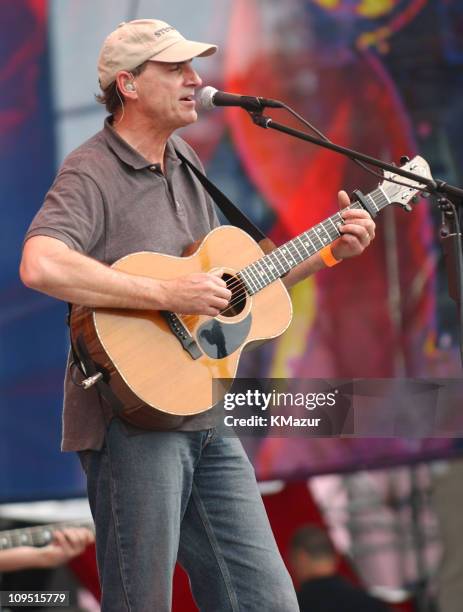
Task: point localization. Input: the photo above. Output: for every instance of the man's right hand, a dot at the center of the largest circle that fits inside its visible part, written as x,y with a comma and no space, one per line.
200,293
50,266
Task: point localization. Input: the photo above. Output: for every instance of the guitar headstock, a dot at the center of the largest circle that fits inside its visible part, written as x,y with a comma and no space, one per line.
402,194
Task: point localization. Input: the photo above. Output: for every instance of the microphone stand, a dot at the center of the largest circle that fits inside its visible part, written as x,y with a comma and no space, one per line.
448,197
452,246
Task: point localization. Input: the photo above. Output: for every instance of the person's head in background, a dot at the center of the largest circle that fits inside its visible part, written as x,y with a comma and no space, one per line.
312,554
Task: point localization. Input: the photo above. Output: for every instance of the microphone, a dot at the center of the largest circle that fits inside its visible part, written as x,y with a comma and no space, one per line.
209,97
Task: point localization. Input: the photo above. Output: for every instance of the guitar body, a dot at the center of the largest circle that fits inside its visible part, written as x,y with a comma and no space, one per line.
162,366
158,381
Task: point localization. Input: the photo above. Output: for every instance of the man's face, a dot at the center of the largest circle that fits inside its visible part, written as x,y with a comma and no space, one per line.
165,93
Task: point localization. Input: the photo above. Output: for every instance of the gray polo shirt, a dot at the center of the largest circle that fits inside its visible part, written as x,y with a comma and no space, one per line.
108,201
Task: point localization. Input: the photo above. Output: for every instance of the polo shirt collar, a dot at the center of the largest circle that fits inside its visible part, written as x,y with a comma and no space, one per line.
129,155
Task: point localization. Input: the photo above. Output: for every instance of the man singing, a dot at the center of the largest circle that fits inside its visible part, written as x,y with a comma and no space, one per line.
157,496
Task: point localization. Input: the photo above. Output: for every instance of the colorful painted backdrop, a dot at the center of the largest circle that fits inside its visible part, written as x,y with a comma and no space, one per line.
381,76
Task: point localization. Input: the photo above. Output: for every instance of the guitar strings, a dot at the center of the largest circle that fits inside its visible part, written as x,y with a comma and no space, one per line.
243,294
236,282
230,305
239,285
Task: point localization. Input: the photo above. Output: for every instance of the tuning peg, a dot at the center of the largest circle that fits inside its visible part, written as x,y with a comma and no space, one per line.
407,207
404,160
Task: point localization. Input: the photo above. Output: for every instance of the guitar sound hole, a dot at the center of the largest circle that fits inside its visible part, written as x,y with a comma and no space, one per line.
238,298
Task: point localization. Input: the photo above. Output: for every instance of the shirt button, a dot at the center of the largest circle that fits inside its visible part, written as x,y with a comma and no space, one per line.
154,168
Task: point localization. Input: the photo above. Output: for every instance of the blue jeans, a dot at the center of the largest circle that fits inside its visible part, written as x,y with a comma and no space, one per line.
159,496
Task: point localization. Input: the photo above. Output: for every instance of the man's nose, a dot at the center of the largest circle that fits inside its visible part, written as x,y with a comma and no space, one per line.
194,78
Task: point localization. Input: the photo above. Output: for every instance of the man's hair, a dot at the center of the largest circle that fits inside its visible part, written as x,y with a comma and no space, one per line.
111,97
313,540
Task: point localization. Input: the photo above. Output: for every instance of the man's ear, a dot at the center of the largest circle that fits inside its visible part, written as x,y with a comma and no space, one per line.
125,83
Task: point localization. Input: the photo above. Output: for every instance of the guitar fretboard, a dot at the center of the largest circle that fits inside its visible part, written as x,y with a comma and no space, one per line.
35,536
276,264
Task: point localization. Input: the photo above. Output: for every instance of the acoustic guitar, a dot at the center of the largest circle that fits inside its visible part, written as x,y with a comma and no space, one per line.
40,535
162,365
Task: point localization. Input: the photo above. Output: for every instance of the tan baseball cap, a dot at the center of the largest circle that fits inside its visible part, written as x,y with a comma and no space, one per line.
135,42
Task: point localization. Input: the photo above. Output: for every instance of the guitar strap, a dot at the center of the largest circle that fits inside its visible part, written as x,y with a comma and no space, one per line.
80,356
230,210
88,368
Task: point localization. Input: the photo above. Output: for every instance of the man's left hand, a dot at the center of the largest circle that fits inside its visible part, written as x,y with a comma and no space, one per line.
358,230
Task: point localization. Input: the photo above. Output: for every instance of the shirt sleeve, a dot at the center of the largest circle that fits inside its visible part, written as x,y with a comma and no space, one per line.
73,212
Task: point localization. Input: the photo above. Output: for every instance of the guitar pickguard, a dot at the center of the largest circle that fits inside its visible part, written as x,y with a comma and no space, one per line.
218,339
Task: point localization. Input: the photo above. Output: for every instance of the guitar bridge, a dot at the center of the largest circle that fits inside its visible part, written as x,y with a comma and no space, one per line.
182,334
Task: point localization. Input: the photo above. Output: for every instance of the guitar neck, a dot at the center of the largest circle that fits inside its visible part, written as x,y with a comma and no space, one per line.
40,535
280,261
